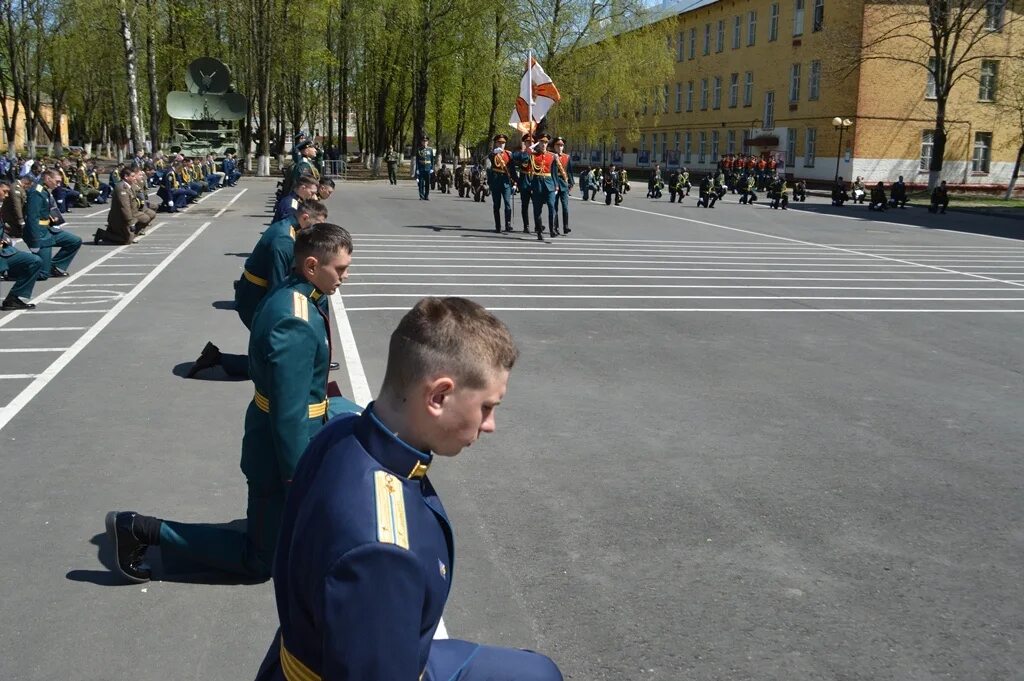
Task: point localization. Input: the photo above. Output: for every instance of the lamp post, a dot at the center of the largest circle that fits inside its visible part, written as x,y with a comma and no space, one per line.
840,124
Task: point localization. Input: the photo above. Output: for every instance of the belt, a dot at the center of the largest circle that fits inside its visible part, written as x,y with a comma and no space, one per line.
295,670
44,222
315,410
259,281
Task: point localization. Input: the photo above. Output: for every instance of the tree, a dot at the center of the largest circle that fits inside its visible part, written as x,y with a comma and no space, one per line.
127,17
1012,106
947,39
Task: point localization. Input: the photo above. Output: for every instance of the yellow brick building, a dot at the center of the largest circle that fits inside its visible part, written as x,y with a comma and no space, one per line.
755,76
19,128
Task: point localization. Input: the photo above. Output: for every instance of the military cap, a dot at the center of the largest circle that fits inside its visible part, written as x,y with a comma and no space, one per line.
558,139
304,144
501,137
544,137
527,137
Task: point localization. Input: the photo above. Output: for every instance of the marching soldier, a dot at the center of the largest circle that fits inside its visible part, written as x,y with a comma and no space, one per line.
542,188
524,170
289,353
126,219
499,177
270,263
391,159
41,235
564,182
22,267
425,158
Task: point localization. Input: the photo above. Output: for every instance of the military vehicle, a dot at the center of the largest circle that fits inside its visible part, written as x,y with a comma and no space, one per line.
205,120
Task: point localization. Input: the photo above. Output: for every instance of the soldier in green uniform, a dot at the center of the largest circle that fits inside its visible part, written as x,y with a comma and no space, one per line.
289,352
499,177
22,267
523,160
391,159
12,210
425,158
268,265
304,166
41,235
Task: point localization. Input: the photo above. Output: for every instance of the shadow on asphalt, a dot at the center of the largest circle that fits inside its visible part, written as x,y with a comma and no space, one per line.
223,304
1007,227
239,255
215,374
163,570
473,232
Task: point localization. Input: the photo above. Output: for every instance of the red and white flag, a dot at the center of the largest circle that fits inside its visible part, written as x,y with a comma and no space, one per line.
537,94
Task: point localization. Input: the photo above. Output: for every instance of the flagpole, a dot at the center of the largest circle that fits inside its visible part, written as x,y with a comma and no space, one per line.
529,76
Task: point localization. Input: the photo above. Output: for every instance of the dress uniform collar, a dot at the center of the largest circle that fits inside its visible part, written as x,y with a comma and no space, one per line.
388,449
302,285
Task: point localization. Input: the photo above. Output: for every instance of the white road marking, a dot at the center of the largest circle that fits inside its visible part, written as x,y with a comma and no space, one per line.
698,309
535,296
361,393
233,199
25,396
710,286
45,328
13,376
39,311
20,350
479,275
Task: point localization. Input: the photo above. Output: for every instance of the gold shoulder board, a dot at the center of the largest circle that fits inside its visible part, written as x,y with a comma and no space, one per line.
391,524
301,310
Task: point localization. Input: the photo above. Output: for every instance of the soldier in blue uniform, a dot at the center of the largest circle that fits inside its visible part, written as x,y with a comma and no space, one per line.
289,351
500,179
523,160
270,263
365,558
425,158
304,188
230,167
22,267
41,235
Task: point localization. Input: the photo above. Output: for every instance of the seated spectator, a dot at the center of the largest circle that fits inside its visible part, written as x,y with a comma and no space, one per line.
878,200
839,195
899,194
860,192
940,199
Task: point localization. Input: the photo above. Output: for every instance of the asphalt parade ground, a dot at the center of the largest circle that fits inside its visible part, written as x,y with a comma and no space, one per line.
739,444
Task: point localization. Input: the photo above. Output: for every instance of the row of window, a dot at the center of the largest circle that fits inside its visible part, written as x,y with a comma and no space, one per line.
710,92
686,43
708,145
987,79
981,159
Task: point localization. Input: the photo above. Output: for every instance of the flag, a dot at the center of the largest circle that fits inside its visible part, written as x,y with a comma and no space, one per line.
537,89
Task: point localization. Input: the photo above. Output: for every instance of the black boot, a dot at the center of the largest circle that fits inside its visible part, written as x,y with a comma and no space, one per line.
129,551
540,235
13,302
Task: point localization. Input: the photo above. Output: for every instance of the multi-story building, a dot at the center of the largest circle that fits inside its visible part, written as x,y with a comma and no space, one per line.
758,76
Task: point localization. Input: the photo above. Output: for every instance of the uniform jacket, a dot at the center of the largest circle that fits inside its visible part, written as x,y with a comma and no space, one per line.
500,174
286,206
543,171
13,209
37,218
564,181
289,355
524,169
270,263
425,160
365,558
124,212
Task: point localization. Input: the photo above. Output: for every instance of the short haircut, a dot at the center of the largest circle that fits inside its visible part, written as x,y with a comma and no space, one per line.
322,241
50,172
313,208
125,172
305,180
453,336
327,182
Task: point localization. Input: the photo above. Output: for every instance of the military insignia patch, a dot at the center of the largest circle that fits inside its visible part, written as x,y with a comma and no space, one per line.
443,569
391,523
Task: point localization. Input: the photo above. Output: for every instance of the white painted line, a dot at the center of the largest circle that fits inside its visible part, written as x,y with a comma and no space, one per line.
537,296
69,280
779,253
649,269
3,376
699,309
39,311
832,248
20,350
357,376
568,285
508,275
233,199
832,262
98,284
25,396
45,328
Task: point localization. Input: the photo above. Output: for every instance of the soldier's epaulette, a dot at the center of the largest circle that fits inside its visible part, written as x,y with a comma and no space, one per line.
301,308
40,188
392,527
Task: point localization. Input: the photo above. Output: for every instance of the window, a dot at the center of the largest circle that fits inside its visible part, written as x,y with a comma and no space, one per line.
769,109
748,89
679,46
689,96
720,37
818,21
798,18
814,81
707,39
730,145
737,32
927,143
982,152
679,97
702,147
663,145
688,148
734,90
703,94
664,98
773,23
810,146
751,27
716,94
643,142
714,146
676,138
693,43
794,83
987,81
790,147
929,88
995,11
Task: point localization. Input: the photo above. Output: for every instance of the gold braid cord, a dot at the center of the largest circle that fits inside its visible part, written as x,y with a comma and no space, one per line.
561,169
499,164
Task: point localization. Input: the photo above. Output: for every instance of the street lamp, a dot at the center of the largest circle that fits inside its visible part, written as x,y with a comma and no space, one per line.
840,124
